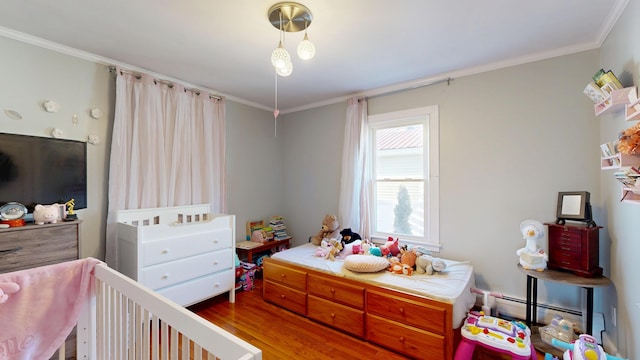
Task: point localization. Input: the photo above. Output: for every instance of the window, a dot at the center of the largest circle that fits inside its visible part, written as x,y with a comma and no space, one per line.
404,188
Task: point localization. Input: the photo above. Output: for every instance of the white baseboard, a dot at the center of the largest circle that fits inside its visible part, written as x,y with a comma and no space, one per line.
512,307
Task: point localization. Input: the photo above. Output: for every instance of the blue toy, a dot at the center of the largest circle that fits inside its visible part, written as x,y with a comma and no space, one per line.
585,348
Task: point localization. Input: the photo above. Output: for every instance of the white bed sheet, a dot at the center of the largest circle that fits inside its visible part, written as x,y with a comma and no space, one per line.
451,286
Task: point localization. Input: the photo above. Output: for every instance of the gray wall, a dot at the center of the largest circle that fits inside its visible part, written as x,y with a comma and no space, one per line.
510,140
620,53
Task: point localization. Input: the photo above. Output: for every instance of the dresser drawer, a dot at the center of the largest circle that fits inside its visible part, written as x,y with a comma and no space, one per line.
32,246
346,294
290,277
173,272
195,290
406,311
285,297
411,341
159,251
339,316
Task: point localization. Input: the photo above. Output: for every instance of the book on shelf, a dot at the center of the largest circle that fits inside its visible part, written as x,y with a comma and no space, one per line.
606,150
602,78
595,93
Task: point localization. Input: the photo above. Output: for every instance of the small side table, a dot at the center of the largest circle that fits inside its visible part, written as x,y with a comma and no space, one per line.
588,284
249,251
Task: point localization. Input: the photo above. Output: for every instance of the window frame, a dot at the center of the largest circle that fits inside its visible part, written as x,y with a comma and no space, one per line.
431,124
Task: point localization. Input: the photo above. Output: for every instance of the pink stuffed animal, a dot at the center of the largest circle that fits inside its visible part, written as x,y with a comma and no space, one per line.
390,248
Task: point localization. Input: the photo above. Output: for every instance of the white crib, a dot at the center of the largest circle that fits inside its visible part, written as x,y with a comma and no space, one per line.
125,320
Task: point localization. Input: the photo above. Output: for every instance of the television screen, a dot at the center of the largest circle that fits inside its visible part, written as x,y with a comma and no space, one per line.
38,170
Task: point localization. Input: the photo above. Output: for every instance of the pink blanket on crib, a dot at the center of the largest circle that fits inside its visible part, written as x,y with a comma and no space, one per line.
35,320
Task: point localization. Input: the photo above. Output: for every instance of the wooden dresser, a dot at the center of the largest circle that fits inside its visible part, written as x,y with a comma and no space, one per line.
29,246
415,326
574,248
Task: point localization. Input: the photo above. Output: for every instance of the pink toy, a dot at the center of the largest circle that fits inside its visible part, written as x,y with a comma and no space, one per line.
585,348
390,248
502,336
46,214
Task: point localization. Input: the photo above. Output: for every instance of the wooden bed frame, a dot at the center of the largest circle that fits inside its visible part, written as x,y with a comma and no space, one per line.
413,325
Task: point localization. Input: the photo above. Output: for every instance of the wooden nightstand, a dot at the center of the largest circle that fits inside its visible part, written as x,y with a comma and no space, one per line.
248,248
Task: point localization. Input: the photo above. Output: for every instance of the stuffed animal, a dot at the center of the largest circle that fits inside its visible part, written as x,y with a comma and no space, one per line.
427,264
334,249
329,230
46,214
349,236
351,248
390,248
396,267
407,257
323,249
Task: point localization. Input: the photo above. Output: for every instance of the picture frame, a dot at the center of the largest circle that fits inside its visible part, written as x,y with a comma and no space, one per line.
574,205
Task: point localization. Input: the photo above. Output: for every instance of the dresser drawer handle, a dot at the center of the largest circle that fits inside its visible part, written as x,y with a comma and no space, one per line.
164,251
283,276
8,251
333,316
282,296
333,291
165,277
401,338
401,310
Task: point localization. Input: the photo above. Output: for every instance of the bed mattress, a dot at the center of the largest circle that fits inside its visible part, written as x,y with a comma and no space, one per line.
452,286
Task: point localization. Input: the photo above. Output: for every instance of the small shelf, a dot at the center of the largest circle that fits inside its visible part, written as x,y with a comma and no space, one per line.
618,161
632,111
630,196
618,99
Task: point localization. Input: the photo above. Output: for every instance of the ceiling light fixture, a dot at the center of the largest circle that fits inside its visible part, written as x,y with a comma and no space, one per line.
289,17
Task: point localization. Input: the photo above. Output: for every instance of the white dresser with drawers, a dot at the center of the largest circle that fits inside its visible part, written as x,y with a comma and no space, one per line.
184,253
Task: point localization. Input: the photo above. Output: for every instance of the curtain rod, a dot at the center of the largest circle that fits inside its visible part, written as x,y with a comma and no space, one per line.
164,82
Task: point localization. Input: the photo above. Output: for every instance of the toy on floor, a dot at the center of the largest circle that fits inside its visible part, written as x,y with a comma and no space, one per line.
531,256
584,348
502,336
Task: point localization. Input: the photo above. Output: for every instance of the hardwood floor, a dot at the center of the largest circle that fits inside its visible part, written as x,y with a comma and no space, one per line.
281,334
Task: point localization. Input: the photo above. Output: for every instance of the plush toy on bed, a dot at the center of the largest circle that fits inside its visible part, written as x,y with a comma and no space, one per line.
407,257
335,246
351,248
427,264
390,248
349,236
329,230
323,249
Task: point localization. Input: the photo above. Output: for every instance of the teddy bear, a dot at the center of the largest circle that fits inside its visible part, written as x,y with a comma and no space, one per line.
335,247
329,230
46,214
427,264
349,236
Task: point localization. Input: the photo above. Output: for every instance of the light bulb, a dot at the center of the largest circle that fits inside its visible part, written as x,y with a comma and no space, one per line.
306,49
280,56
285,70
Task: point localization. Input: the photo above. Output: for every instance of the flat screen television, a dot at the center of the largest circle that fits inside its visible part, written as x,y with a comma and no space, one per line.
39,170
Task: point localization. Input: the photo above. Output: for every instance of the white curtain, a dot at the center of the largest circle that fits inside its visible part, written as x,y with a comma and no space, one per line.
168,149
353,204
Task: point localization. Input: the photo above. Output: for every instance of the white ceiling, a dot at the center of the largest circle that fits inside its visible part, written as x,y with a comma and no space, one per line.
363,46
